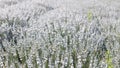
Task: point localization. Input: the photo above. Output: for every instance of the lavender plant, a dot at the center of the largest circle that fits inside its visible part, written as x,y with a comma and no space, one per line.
40,34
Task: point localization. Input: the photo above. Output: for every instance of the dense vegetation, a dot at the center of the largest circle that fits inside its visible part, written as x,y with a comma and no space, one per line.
42,35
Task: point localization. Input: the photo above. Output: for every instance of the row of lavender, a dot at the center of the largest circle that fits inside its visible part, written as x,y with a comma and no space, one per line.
41,36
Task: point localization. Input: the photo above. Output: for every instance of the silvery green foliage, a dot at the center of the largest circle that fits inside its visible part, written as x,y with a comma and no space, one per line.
58,34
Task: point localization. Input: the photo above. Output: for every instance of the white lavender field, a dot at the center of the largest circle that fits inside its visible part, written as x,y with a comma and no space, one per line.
59,34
